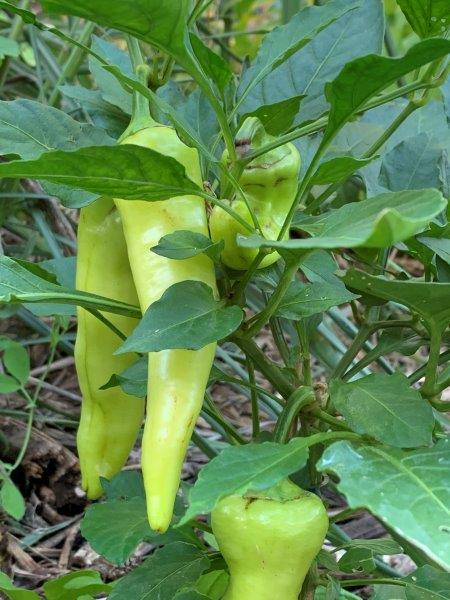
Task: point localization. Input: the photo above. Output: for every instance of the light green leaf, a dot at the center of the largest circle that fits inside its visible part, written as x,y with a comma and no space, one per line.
186,244
373,223
387,481
11,500
127,171
386,408
8,47
29,129
338,169
74,585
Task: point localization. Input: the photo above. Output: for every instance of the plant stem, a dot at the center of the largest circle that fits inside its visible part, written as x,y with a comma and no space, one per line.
373,581
298,400
429,386
253,398
352,351
303,339
258,322
73,62
270,370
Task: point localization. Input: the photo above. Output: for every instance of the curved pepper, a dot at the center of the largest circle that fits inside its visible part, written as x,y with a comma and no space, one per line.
177,378
269,540
110,419
269,183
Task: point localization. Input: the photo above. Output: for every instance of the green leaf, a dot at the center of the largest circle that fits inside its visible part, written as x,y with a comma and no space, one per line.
133,380
429,300
386,408
284,41
29,129
127,171
111,90
338,169
15,359
13,593
189,127
387,481
412,165
374,223
8,384
19,285
114,528
8,47
427,582
161,26
162,575
124,485
110,118
427,17
73,585
383,546
357,559
186,244
364,77
440,246
310,68
213,584
305,299
240,468
214,66
11,500
187,316
276,118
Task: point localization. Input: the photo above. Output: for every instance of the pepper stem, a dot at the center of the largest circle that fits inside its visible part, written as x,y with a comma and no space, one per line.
140,116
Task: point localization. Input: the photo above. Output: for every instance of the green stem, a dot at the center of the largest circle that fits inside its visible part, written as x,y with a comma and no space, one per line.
429,386
352,351
327,418
279,339
238,292
258,322
73,62
253,398
98,315
204,445
296,402
270,370
16,28
303,340
420,372
374,581
321,123
141,116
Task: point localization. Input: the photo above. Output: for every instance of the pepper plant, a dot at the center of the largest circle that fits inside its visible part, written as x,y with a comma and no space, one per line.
223,199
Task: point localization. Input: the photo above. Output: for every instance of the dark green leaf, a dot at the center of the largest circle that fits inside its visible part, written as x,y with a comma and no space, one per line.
305,299
429,300
338,169
133,380
277,118
114,528
284,41
427,17
215,67
412,165
253,466
187,316
364,77
162,575
186,244
29,129
19,285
